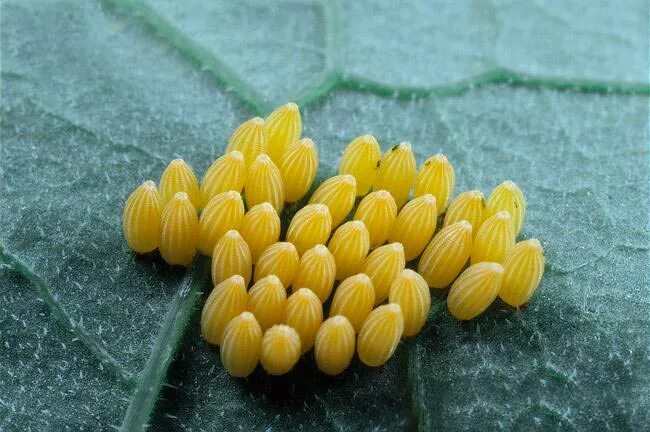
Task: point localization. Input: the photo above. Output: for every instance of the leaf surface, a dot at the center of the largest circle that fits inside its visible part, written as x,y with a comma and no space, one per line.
99,96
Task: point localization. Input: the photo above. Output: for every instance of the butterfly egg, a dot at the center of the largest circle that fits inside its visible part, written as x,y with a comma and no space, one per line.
141,218
378,212
241,345
316,271
354,299
260,228
397,172
224,212
415,225
334,346
310,226
264,184
436,177
298,167
268,301
508,197
231,256
227,173
338,194
446,255
411,292
280,349
225,302
283,127
179,177
304,314
250,139
361,159
349,246
523,271
494,239
179,230
382,266
280,259
474,290
380,334
469,206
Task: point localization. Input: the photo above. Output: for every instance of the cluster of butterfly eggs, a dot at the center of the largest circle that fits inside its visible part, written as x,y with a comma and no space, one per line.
267,160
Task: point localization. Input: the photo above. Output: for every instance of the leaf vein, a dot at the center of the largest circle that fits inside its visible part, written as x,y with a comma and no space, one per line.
195,53
56,308
146,394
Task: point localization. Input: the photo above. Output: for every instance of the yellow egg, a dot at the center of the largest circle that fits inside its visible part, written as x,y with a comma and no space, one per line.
267,301
179,177
349,246
415,225
508,197
316,271
231,256
310,226
474,290
380,335
264,184
468,206
225,302
224,212
446,255
305,314
378,212
523,271
179,232
361,159
260,228
338,194
250,139
382,266
411,292
494,239
280,349
436,177
298,167
283,127
354,299
241,346
334,346
141,218
397,172
280,259
227,173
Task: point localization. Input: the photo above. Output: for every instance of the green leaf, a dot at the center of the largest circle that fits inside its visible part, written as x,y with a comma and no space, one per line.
99,96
